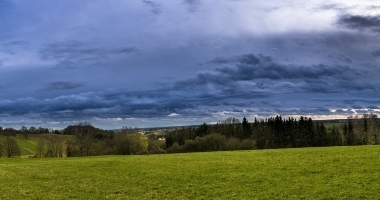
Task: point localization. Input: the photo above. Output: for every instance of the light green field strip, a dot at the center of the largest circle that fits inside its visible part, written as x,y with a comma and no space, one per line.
307,173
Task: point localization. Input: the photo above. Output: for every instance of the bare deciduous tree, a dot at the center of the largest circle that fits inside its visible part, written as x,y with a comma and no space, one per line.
11,147
40,147
55,147
1,147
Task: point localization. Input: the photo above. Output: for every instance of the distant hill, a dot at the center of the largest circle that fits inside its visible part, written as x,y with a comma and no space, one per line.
28,146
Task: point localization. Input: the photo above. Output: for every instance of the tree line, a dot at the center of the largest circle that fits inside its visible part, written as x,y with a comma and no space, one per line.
87,141
230,134
274,132
8,131
91,141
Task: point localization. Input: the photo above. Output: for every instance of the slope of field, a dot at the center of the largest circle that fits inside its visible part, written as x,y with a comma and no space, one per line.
309,173
29,147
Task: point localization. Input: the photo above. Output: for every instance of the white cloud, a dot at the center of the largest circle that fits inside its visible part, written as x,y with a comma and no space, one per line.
173,115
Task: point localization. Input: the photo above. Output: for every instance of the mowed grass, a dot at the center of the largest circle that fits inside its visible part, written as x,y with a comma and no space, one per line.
307,173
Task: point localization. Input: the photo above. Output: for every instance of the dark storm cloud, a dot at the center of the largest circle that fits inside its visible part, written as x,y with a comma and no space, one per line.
192,5
234,81
357,107
356,85
191,2
361,100
122,104
360,22
51,107
63,85
339,85
259,76
220,60
71,53
126,50
341,57
309,111
253,67
243,59
155,7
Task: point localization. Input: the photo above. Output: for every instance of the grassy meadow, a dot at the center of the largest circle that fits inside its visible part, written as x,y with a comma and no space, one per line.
307,173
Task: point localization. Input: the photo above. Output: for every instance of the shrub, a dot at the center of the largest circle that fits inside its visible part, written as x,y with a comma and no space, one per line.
156,146
175,148
247,144
232,144
213,142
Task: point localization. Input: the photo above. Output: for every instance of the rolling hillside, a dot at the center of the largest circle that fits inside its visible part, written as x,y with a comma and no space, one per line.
28,146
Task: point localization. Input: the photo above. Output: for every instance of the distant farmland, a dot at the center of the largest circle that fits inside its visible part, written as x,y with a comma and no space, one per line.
305,173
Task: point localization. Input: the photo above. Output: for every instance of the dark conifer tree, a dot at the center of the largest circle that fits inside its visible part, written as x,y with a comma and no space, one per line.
335,137
169,140
311,136
345,133
323,137
246,128
365,125
351,133
202,130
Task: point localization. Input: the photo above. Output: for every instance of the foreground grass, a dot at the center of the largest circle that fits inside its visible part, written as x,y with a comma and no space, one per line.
308,173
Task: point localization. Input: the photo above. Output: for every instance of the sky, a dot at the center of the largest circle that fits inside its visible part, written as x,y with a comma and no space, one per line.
149,63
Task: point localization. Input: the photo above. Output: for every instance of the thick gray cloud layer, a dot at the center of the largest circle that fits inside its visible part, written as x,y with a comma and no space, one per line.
360,22
71,54
159,63
63,85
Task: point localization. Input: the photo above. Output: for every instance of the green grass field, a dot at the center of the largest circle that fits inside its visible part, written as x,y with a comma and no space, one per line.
308,173
330,125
